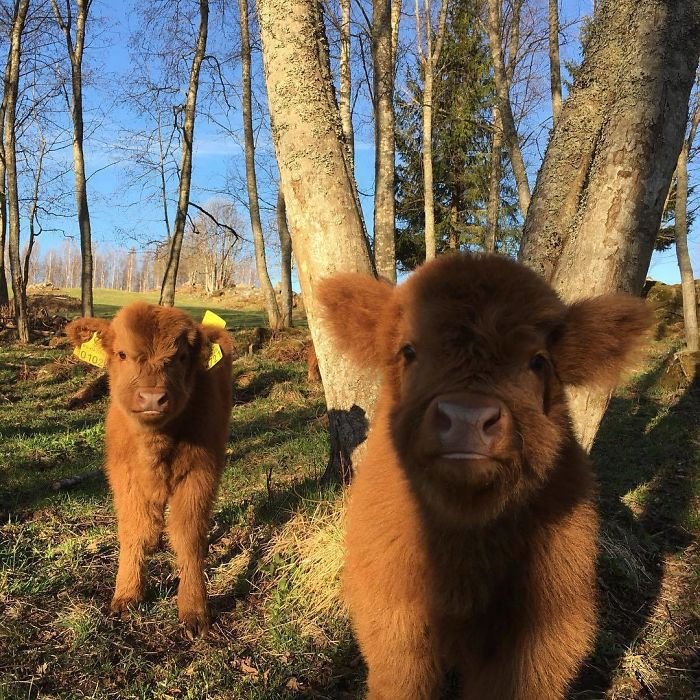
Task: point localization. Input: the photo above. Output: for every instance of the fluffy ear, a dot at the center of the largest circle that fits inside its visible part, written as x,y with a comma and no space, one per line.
350,307
81,330
599,338
213,334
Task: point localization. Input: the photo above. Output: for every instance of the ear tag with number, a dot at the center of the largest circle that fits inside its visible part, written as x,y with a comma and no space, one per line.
211,319
91,351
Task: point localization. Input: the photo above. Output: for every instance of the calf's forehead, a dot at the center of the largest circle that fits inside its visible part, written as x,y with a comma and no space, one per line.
151,329
485,300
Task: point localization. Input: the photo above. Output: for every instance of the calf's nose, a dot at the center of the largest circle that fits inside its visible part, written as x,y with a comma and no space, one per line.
470,424
152,400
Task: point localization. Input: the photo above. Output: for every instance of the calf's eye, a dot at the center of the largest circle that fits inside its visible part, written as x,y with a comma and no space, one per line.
121,355
408,352
538,363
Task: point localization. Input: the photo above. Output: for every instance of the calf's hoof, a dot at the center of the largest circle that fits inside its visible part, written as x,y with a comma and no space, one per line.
196,623
120,605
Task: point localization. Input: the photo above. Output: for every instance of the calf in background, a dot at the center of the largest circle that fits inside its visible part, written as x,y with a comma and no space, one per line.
166,433
471,525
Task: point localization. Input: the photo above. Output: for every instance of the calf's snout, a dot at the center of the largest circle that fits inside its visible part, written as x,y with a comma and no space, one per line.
152,400
469,425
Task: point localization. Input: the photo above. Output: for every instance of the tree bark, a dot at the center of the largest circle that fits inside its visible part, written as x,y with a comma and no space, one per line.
384,147
273,314
495,175
429,62
690,302
4,293
510,133
167,291
285,262
345,101
11,88
599,196
75,55
554,64
322,210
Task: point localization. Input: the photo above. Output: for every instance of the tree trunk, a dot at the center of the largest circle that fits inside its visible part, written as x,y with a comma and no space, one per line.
554,64
33,205
11,88
285,262
273,314
598,201
75,55
384,148
510,133
430,62
495,175
4,293
428,200
167,291
345,101
690,302
322,210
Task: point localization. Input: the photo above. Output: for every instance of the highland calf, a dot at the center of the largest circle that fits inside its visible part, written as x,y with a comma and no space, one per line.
471,526
166,433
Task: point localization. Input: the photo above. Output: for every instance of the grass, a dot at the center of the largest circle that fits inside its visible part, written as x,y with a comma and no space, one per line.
275,544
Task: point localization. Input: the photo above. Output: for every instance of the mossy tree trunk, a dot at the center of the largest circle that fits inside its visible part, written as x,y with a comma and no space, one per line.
597,204
322,211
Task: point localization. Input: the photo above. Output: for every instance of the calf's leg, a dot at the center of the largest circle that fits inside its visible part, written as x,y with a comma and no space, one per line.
190,507
139,526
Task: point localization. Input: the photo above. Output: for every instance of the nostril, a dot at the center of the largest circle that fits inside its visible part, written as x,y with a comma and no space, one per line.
443,422
492,421
163,399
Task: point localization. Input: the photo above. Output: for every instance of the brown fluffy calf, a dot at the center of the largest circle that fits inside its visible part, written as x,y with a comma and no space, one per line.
471,530
166,432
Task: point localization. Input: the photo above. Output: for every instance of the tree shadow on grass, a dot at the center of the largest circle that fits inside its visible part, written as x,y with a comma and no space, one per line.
646,451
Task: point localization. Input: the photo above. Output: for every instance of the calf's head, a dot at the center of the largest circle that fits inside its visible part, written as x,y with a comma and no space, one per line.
153,357
475,352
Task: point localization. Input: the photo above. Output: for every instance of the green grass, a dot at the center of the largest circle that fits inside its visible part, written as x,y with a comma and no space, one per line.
108,301
271,641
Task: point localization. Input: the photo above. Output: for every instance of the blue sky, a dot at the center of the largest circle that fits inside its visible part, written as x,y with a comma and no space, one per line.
117,214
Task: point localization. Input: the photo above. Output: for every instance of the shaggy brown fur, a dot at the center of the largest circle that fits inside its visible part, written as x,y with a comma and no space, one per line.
471,530
166,432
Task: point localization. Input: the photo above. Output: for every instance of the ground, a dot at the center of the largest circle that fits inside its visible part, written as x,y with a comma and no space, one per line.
275,541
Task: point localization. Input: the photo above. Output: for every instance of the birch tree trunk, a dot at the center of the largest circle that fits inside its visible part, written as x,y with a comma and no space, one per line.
11,88
554,64
494,201
322,210
273,314
690,302
285,262
429,61
345,97
500,76
384,147
599,196
75,56
167,291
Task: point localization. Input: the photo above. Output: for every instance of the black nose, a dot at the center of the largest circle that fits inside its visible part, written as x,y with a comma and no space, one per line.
152,400
470,423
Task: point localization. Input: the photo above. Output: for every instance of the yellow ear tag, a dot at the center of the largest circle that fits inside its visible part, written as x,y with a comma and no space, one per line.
211,319
91,351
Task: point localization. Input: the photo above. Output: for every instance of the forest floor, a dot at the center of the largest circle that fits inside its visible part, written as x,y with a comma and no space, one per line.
279,631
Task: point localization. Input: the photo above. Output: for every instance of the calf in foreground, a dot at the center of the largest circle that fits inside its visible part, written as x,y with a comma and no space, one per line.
471,526
166,433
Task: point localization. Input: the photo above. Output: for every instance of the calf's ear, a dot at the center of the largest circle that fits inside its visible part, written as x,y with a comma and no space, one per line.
81,330
213,334
350,307
599,338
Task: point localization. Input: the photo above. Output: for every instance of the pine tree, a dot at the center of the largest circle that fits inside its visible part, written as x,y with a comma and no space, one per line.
462,107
